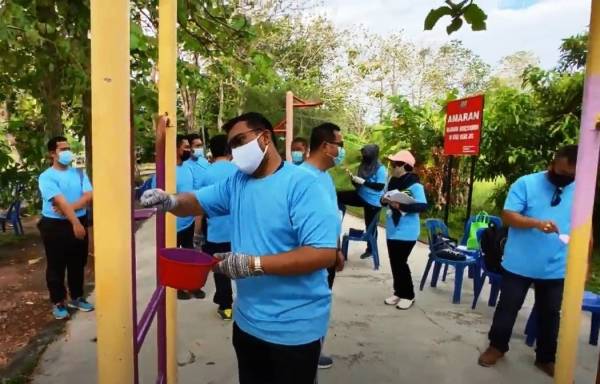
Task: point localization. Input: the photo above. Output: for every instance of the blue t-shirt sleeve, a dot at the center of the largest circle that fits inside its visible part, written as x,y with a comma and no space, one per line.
314,219
215,199
49,187
516,201
87,186
381,175
418,192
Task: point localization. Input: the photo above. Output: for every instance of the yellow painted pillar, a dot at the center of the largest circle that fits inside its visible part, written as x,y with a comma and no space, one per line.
167,94
112,188
289,124
587,165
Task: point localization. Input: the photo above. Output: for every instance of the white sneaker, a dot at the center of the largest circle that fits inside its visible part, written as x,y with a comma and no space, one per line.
405,304
392,300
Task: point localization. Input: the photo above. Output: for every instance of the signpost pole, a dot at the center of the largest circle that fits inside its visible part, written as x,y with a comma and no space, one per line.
471,182
448,188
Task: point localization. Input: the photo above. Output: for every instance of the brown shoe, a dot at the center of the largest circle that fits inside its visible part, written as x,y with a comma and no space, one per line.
490,357
547,368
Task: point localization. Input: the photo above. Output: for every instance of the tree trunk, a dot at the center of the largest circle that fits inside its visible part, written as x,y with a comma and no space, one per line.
188,98
221,106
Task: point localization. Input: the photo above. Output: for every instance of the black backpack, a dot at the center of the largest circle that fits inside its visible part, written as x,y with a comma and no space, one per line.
492,244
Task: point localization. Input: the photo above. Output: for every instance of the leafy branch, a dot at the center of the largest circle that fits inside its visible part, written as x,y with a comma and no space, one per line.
464,11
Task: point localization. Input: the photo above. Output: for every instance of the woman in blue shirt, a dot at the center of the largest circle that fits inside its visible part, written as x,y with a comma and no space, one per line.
369,185
403,226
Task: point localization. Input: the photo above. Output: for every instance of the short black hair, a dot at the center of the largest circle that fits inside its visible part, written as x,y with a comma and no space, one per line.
254,120
218,146
194,136
53,142
323,133
180,139
568,152
300,140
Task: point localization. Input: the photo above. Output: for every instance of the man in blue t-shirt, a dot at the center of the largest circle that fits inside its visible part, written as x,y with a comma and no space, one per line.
198,164
66,193
299,150
369,186
218,238
538,212
184,180
283,241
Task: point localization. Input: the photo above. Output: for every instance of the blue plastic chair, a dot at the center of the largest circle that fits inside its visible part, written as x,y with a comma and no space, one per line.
146,185
437,227
591,303
463,241
13,216
495,279
367,236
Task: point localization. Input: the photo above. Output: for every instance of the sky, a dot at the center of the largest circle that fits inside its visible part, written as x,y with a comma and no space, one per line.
512,25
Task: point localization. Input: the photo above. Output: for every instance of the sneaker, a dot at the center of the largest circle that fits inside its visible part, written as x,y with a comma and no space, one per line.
547,368
490,357
405,304
60,312
392,300
183,295
365,255
225,314
325,362
81,304
199,294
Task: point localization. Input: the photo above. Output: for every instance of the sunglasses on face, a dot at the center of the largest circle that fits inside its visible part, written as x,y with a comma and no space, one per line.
240,139
556,198
339,144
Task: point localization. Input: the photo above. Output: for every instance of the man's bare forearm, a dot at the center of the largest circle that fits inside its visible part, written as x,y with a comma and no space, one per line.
187,205
516,220
299,261
66,209
83,202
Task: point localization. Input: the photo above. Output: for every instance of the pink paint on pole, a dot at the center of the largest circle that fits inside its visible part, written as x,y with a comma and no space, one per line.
587,161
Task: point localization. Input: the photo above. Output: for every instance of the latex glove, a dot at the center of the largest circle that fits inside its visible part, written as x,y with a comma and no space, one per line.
234,265
358,180
157,198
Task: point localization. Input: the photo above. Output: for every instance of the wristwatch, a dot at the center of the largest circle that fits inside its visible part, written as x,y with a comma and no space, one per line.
257,267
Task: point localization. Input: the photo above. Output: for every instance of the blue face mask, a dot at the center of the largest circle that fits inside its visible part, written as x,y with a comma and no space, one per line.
198,153
65,157
297,157
340,157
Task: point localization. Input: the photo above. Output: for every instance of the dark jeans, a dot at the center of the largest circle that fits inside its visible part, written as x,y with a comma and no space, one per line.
223,294
64,253
185,237
548,299
331,276
352,199
260,362
399,251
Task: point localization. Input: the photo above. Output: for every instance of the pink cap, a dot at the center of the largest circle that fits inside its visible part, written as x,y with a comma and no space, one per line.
403,156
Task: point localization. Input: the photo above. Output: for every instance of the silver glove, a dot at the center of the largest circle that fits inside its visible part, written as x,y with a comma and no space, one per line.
157,198
234,265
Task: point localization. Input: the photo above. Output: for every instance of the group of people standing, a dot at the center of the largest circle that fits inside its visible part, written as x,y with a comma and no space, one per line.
275,228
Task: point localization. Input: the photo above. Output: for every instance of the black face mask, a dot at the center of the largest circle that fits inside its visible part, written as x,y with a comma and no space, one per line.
560,180
186,155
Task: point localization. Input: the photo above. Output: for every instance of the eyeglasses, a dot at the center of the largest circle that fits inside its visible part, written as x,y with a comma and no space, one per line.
339,144
556,198
240,139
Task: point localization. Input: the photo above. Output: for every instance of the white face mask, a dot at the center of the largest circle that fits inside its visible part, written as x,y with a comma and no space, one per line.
249,156
399,171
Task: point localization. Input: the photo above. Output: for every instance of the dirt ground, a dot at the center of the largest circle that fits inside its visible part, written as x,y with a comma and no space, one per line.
25,311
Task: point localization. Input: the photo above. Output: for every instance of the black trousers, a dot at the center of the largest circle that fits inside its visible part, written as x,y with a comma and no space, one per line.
64,253
398,252
224,294
185,237
548,299
260,362
352,199
331,276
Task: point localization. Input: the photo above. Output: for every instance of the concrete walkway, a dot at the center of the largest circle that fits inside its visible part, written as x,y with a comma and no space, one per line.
434,342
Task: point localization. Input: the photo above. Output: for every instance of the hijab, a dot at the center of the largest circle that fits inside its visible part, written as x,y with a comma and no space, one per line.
370,161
